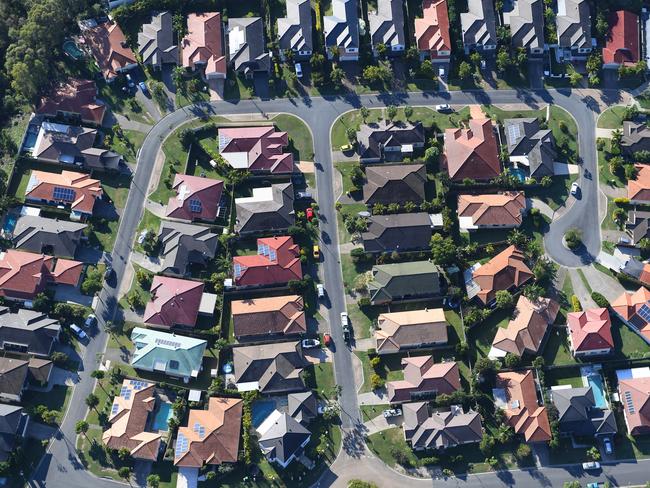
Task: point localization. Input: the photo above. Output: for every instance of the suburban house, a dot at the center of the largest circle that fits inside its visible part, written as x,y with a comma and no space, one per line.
109,48
472,153
269,368
389,141
269,210
341,30
479,26
40,371
505,271
171,354
23,275
196,198
432,31
202,47
75,100
73,145
634,310
636,137
529,327
440,429
530,147
401,331
13,378
638,189
276,263
156,41
622,46
211,436
47,236
638,225
398,232
13,426
424,379
499,210
76,191
302,406
579,414
395,183
387,26
404,281
526,22
268,316
185,246
256,149
28,331
282,438
590,332
175,302
246,46
130,421
295,30
639,270
573,22
516,394
634,394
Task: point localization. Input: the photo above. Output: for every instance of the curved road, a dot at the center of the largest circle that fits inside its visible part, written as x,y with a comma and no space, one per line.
61,467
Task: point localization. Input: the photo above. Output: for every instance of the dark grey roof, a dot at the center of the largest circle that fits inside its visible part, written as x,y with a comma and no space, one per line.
398,232
185,244
525,138
342,27
295,30
12,421
638,224
284,438
442,429
303,406
156,41
392,282
13,375
372,138
579,415
28,331
573,23
636,137
387,25
526,21
267,215
394,183
634,268
39,234
246,45
478,23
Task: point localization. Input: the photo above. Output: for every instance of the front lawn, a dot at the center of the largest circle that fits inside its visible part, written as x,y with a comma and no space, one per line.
604,173
128,145
301,142
369,412
116,186
612,118
102,233
136,289
149,222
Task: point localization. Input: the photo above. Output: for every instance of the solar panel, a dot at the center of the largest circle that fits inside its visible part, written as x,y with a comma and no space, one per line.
66,194
181,444
115,408
513,132
195,205
127,395
644,312
628,401
239,269
272,255
124,390
263,249
166,342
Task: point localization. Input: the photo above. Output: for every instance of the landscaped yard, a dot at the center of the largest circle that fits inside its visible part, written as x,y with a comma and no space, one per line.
369,412
605,175
149,222
301,141
481,335
136,289
557,349
127,146
612,118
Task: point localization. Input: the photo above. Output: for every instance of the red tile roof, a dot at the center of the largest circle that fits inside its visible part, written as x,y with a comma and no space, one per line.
85,190
639,188
590,330
505,270
494,209
255,149
628,305
204,43
432,30
77,96
472,153
109,48
173,302
196,198
622,46
67,272
635,397
277,261
422,375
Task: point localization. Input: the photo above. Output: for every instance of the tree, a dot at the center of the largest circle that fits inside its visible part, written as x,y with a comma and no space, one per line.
574,77
545,270
178,74
99,376
503,61
602,26
523,451
365,113
125,473
153,481
487,444
533,292
336,76
351,134
619,215
503,299
179,25
81,427
443,250
381,50
504,433
475,58
408,112
92,283
92,401
594,454
517,238
464,71
512,360
391,112
538,362
573,238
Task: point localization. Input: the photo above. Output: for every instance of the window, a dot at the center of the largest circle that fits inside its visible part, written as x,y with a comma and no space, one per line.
65,194
173,364
195,205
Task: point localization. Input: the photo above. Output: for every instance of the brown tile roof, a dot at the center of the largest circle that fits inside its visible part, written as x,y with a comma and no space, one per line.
40,369
109,48
472,153
590,330
522,409
410,329
85,190
395,183
204,43
635,397
211,436
13,373
627,306
505,270
493,209
271,315
67,272
622,43
639,188
77,96
432,30
23,274
422,375
173,302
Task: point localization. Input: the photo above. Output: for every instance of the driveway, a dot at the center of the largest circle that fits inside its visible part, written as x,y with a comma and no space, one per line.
71,294
602,283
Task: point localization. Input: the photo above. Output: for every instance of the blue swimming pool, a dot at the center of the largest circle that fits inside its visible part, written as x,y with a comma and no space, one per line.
260,410
163,414
596,383
10,223
518,173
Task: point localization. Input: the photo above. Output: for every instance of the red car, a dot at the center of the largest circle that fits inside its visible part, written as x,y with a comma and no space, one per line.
310,213
327,339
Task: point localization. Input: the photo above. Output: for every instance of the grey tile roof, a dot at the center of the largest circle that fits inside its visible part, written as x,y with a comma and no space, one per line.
185,244
636,137
394,183
295,30
156,41
573,24
578,414
440,430
12,421
526,21
372,138
342,27
38,234
267,215
303,406
28,330
398,232
392,282
525,138
13,374
638,224
478,23
387,24
284,438
246,45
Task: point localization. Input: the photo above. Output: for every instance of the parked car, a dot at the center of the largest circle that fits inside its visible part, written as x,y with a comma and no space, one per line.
309,213
624,240
91,320
316,252
310,343
321,290
303,195
347,334
344,320
575,188
298,70
347,147
392,412
143,88
327,339
444,108
79,333
591,465
108,273
609,447
129,81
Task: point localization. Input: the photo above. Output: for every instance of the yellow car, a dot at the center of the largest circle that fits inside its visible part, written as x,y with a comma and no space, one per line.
316,252
346,147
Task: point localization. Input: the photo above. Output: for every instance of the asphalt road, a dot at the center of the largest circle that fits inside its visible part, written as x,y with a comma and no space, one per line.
61,467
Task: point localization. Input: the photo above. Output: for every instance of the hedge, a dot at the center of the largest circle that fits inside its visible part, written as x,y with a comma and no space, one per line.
600,300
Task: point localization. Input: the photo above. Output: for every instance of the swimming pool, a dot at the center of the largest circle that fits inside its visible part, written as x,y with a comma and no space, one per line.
518,173
261,410
10,224
596,382
163,414
72,50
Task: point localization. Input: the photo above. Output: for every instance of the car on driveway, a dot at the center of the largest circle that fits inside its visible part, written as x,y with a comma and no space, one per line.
575,188
91,320
327,339
444,108
298,70
310,343
591,465
345,321
78,332
392,412
108,273
607,444
143,88
321,290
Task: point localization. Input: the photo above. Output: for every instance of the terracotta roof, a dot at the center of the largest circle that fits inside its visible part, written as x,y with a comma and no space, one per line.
422,375
635,397
522,409
196,198
639,188
109,48
67,272
277,261
472,153
204,42
622,45
432,30
403,329
505,270
494,209
173,302
25,274
258,149
590,330
211,436
271,315
128,420
82,190
76,96
627,306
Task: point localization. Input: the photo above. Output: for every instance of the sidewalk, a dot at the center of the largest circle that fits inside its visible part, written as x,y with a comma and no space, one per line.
155,208
152,264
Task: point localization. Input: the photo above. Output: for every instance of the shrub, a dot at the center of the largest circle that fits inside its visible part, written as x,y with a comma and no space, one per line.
523,451
573,238
363,302
600,300
575,304
400,456
375,362
622,201
376,381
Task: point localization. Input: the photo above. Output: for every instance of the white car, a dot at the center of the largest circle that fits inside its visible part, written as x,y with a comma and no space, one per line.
575,188
624,240
393,412
344,320
591,465
310,343
321,290
443,108
298,70
77,330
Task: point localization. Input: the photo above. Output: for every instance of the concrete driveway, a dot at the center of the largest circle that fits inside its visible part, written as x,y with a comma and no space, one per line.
71,294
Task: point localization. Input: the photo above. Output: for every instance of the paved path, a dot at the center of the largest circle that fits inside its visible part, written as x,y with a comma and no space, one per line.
380,423
128,124
606,133
603,283
155,208
380,397
581,291
543,207
152,264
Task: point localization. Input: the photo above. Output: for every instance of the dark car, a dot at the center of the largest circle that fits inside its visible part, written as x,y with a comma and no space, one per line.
108,274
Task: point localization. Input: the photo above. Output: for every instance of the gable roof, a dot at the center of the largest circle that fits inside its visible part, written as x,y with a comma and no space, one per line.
269,315
196,198
526,21
394,183
81,191
527,141
405,232
638,224
13,374
277,261
472,153
258,149
40,370
281,436
636,137
270,209
441,429
246,44
156,41
573,24
639,188
505,270
204,43
628,306
341,29
295,30
109,48
395,281
635,397
590,330
76,96
302,406
373,138
423,377
34,233
432,30
173,302
33,331
622,45
479,24
186,244
387,23
397,330
578,414
12,421
492,209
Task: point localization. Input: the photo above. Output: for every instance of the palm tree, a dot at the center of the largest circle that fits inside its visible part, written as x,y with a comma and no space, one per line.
92,401
82,428
177,77
125,473
153,481
99,376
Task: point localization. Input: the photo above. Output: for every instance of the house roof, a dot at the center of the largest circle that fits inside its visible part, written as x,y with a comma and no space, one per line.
635,397
156,349
40,370
109,48
394,183
387,23
578,414
10,417
493,209
196,198
628,306
525,139
394,281
573,22
186,244
13,374
80,191
397,231
204,43
270,315
277,261
156,41
128,421
423,377
432,30
295,30
281,436
399,329
341,29
472,153
75,96
590,330
639,188
270,209
373,138
302,406
526,21
441,429
522,409
211,436
622,45
173,302
526,331
246,46
637,269
505,270
33,330
258,149
636,137
479,24
638,224
33,233
67,272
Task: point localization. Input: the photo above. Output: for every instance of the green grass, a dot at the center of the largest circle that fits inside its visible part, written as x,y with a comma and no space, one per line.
324,379
117,187
136,288
500,115
123,104
351,209
55,399
480,337
556,350
235,88
129,145
346,168
149,222
612,118
351,270
605,175
555,196
93,456
385,444
608,222
567,454
369,412
103,234
300,140
563,376
627,344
